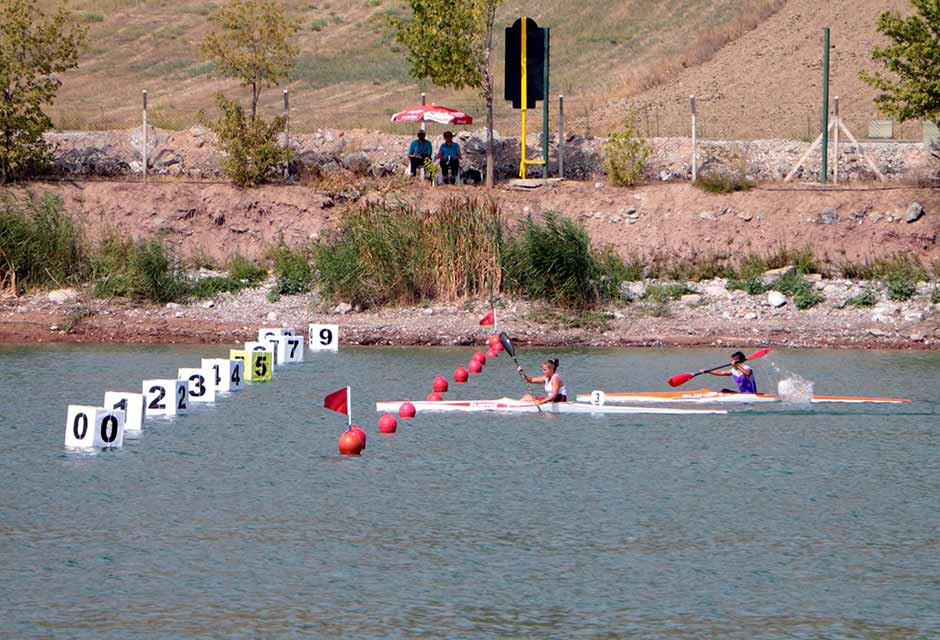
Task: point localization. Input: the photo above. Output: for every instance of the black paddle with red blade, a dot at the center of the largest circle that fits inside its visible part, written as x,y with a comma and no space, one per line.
681,378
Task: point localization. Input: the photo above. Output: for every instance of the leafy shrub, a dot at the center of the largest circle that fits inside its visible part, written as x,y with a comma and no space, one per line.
935,295
719,182
807,298
242,269
867,298
140,270
901,265
753,286
803,293
664,293
252,150
213,286
293,271
554,261
626,153
901,287
40,244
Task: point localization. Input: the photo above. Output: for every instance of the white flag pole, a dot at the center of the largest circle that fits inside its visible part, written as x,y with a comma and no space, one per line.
348,407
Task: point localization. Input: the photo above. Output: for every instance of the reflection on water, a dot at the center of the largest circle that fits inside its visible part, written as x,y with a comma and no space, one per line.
240,520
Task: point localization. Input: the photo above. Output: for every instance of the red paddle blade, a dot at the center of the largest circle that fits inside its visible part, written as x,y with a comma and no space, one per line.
680,379
759,354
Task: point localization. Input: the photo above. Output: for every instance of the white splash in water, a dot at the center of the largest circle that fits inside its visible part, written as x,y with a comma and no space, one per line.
795,389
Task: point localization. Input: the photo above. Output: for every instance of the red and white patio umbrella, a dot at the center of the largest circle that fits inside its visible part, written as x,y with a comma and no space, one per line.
433,113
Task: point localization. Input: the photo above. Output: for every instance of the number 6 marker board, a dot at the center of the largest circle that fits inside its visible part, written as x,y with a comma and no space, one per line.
166,397
323,337
94,427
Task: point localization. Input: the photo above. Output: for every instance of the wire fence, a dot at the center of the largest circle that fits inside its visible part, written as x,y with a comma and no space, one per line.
583,116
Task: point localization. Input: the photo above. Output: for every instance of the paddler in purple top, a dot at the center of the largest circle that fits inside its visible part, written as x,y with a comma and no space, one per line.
743,375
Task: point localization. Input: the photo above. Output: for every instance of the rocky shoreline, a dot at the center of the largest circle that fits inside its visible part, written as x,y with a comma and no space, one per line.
710,315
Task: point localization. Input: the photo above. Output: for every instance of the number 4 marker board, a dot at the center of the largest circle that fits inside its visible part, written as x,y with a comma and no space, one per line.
94,427
226,375
323,337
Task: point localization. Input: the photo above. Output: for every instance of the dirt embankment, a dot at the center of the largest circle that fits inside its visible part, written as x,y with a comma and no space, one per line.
677,222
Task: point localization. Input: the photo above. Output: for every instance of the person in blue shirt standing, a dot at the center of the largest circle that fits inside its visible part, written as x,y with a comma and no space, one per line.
449,155
419,150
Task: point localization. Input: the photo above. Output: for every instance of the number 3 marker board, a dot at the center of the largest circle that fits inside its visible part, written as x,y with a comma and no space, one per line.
94,427
259,364
132,404
166,397
201,384
323,337
226,375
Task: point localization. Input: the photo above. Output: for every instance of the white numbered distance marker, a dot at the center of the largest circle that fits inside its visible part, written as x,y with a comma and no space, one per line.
94,427
134,406
266,334
323,337
166,397
225,375
201,384
598,398
290,350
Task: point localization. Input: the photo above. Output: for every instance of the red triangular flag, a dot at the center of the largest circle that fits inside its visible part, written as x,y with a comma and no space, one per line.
489,318
338,401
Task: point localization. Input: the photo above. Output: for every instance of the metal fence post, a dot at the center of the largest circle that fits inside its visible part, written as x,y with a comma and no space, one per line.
694,141
561,136
144,137
286,119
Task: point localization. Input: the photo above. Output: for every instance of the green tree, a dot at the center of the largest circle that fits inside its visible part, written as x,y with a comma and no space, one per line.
253,42
33,48
911,88
627,153
252,151
451,42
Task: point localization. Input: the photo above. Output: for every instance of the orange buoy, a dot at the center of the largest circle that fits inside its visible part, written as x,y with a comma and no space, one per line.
360,433
387,423
439,384
350,443
461,375
493,340
492,353
434,396
498,346
475,366
479,357
407,410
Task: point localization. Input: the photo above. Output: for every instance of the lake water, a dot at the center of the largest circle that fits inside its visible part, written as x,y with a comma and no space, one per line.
241,520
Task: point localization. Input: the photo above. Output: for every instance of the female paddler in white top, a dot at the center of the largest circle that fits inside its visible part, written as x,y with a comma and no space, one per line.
554,386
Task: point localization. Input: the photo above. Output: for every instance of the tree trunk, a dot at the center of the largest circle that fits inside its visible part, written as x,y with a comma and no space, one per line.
488,95
254,101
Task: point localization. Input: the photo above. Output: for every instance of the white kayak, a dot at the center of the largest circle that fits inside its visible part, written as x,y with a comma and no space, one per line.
508,405
707,396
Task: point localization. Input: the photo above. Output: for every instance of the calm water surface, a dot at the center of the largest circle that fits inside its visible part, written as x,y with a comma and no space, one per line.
240,520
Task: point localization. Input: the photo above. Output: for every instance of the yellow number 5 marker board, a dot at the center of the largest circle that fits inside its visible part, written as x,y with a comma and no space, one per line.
258,364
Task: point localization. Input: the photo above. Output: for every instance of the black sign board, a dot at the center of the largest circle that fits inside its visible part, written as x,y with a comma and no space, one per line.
535,63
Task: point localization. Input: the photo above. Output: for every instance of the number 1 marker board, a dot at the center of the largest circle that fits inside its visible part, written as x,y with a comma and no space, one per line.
94,427
133,405
167,397
201,384
226,375
323,337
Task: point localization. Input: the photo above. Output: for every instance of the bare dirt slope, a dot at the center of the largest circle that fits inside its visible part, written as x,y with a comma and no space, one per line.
767,83
667,222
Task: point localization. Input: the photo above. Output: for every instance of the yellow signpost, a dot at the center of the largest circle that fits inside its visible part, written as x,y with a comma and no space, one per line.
525,101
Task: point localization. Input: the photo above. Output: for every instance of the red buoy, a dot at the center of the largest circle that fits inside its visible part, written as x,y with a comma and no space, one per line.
439,384
434,396
360,433
475,366
493,340
461,375
407,410
479,357
350,444
492,353
498,346
387,423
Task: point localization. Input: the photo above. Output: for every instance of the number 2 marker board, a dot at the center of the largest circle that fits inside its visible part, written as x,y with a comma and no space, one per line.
166,397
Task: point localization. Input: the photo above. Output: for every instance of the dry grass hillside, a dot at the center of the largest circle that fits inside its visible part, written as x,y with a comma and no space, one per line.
751,62
768,82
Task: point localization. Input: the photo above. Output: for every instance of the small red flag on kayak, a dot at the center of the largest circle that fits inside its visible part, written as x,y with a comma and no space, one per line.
338,401
489,318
